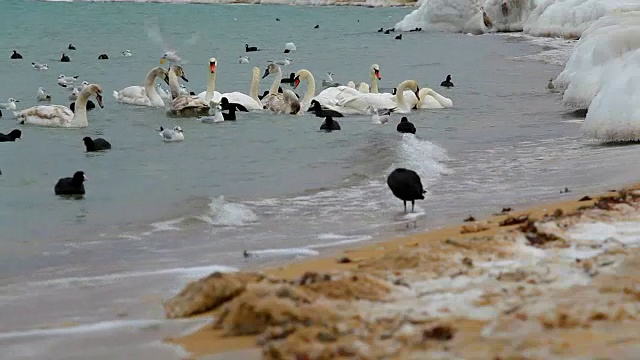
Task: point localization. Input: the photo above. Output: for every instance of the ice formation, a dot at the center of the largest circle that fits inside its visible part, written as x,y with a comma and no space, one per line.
445,15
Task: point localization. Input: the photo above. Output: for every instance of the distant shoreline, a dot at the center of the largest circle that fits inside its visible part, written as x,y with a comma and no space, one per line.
363,3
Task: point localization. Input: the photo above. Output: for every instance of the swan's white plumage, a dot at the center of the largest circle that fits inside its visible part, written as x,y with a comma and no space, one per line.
183,105
61,116
146,95
248,101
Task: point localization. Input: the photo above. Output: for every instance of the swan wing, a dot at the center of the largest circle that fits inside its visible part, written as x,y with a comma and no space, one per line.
332,95
243,99
363,102
46,115
216,96
132,92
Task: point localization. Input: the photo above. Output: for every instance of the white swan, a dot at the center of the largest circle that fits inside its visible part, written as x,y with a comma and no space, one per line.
282,103
363,102
306,75
332,96
364,88
183,105
250,101
374,76
62,116
351,84
429,99
144,95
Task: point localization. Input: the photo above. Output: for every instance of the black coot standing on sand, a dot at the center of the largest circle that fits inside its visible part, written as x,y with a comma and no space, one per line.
248,48
16,55
447,83
405,184
329,124
12,136
71,47
71,185
96,144
405,126
64,58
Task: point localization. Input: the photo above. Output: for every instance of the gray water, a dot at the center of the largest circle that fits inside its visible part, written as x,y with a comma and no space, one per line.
158,214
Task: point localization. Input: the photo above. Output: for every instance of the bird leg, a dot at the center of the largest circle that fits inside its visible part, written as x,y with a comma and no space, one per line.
405,205
413,202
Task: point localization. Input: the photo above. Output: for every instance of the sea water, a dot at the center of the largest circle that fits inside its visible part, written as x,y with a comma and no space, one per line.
157,215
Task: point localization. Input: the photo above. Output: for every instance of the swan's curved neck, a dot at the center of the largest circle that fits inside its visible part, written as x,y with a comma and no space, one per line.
400,94
255,83
80,113
211,86
311,89
276,82
174,85
374,83
150,86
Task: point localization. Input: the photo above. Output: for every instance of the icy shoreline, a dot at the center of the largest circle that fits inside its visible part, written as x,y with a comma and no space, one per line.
365,3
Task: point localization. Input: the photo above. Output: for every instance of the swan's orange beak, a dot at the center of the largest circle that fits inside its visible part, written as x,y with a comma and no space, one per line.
378,74
212,67
296,82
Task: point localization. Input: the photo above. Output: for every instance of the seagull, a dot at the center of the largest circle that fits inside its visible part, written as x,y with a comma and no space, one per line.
42,95
127,53
164,94
174,134
286,62
215,114
243,60
40,67
74,94
10,104
380,116
184,90
330,82
65,81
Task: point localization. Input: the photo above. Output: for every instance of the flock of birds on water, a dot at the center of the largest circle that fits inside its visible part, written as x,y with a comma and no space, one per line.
210,106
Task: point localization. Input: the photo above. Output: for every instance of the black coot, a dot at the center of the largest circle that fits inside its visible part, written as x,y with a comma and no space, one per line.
405,126
329,124
405,184
71,185
447,83
96,144
12,136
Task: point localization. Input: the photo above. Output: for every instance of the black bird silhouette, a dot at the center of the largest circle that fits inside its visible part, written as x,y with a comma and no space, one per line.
96,144
405,126
329,124
71,47
321,111
90,106
405,184
447,83
399,37
248,48
71,185
289,80
380,30
226,105
12,136
16,55
64,58
103,57
316,27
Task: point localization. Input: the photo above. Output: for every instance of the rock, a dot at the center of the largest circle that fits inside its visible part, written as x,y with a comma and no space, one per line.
208,293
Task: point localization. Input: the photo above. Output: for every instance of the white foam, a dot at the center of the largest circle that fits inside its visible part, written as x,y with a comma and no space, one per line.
345,241
169,225
625,232
284,252
80,329
183,272
222,213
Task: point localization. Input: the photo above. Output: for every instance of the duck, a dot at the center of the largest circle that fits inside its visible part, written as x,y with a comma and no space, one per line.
62,116
447,82
406,185
248,48
405,126
184,105
171,135
65,58
329,124
16,55
97,144
71,185
71,47
550,85
12,136
146,95
41,95
103,57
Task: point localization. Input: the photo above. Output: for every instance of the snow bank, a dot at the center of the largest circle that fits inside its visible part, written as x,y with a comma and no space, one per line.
445,15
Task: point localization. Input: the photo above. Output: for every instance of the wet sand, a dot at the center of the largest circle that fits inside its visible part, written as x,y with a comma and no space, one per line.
479,290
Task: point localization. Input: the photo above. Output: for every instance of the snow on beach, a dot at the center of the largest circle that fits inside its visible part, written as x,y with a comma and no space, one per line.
601,75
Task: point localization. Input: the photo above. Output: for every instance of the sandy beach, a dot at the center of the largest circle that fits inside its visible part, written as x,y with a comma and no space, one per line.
551,281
